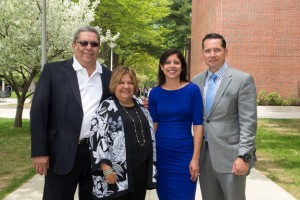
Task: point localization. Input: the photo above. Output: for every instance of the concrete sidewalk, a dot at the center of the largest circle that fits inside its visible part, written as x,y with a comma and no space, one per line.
278,112
285,112
258,186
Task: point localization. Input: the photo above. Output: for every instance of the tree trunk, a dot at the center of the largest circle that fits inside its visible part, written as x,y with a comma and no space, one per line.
19,113
21,93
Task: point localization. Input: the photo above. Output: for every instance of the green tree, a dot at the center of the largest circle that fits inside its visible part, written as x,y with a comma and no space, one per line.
20,39
141,36
147,28
179,24
146,68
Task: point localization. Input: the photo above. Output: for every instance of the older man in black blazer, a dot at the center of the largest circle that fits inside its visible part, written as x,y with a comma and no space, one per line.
65,99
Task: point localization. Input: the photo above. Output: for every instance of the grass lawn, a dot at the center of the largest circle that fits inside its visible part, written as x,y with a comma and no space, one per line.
16,166
278,152
14,96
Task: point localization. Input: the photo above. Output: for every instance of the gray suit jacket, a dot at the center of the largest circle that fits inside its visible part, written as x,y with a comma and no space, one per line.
232,122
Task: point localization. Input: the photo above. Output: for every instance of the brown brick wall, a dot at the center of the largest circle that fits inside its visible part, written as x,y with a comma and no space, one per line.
263,39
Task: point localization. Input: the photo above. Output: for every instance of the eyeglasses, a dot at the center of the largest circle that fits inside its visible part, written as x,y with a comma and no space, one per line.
86,43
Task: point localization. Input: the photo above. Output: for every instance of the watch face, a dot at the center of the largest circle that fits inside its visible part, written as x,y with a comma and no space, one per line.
247,157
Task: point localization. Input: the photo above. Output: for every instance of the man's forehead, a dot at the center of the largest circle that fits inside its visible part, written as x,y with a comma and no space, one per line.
87,34
212,44
213,41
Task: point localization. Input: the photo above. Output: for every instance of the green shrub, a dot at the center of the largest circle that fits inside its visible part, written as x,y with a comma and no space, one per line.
294,100
262,98
272,99
275,99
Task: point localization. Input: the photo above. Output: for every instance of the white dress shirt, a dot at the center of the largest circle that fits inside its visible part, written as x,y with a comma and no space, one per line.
91,92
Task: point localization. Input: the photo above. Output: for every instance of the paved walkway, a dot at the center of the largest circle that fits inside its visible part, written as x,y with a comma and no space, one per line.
258,187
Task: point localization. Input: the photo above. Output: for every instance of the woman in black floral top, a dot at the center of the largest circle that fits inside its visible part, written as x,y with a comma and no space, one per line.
122,143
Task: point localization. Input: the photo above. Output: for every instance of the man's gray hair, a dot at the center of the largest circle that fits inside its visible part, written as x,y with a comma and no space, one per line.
86,29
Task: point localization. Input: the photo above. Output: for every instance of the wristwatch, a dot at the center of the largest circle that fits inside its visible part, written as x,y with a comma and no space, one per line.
246,157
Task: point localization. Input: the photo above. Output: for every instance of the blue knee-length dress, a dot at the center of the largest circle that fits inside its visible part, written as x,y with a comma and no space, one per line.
175,111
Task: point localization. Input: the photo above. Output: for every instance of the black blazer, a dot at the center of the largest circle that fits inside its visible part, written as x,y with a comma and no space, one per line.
56,114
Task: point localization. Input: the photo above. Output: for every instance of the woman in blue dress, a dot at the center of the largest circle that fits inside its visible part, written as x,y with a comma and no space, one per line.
176,108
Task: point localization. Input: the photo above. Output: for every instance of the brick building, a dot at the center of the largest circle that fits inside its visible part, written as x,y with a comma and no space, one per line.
263,39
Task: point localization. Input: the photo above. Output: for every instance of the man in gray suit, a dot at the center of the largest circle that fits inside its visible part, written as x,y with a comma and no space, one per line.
230,122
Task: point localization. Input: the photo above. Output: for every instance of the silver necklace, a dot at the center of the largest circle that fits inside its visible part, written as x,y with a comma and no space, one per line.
142,143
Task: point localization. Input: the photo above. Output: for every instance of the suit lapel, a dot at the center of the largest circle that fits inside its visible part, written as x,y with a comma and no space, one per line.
72,80
105,77
202,82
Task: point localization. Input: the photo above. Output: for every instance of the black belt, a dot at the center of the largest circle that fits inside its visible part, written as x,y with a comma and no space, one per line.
84,141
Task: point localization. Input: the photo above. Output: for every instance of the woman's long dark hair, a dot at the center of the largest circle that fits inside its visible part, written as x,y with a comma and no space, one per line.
183,75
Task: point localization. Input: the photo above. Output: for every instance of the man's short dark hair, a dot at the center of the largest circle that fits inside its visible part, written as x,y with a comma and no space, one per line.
214,36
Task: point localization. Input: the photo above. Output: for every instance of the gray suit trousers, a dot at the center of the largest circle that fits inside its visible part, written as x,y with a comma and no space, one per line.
219,186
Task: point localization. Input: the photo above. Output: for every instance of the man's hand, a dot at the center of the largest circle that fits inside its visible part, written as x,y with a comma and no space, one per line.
145,102
41,164
240,167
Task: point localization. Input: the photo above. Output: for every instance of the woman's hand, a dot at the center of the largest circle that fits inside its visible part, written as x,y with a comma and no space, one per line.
109,174
194,170
111,178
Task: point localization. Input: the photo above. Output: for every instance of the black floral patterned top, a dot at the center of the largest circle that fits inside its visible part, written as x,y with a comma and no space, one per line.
110,144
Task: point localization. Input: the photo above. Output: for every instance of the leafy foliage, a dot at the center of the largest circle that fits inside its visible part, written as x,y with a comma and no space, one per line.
146,27
294,100
137,23
20,39
142,38
146,68
272,99
179,24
